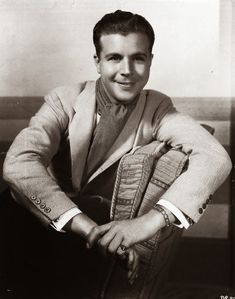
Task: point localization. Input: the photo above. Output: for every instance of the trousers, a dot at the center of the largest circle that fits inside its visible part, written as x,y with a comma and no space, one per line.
39,262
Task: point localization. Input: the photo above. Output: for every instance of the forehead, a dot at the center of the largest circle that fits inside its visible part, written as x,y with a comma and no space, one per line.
124,44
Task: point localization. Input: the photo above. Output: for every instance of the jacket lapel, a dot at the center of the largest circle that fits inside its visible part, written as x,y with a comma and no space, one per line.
126,139
80,131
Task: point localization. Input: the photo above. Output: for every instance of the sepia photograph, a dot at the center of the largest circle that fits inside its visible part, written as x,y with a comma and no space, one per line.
117,149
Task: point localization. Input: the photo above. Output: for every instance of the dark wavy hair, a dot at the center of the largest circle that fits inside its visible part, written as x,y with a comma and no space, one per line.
122,22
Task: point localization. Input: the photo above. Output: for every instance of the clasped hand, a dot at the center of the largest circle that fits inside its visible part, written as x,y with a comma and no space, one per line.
111,238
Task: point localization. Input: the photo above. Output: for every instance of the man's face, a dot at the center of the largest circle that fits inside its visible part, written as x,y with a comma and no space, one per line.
124,65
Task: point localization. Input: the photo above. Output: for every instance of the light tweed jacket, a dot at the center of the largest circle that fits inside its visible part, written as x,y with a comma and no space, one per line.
45,164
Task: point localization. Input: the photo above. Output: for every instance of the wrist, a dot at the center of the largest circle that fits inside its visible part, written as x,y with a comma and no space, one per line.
80,224
153,221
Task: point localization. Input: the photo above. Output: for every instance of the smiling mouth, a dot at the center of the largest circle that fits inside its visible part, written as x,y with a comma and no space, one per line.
126,84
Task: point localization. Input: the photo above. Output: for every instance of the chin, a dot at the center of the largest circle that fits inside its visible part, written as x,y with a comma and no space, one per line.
125,98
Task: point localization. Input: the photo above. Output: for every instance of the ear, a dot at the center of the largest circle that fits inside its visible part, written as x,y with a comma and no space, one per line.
97,63
151,58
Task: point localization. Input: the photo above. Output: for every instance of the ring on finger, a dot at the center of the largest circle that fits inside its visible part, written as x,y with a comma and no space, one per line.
123,248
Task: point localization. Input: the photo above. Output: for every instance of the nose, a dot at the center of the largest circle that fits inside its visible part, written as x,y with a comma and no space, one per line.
126,67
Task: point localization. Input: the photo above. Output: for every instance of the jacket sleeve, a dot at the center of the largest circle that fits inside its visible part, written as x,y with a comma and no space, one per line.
209,163
26,163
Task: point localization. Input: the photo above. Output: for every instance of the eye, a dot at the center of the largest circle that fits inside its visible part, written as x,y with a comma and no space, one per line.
114,58
140,58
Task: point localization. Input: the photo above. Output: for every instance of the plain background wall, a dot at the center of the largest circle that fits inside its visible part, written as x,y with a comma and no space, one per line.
46,43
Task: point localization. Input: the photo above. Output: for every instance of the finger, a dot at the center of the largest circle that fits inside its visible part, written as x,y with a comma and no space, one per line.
133,276
93,237
131,258
96,233
133,265
105,241
114,245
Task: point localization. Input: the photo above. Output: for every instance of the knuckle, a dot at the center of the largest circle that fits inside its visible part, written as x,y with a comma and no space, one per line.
95,230
126,242
102,243
111,249
119,235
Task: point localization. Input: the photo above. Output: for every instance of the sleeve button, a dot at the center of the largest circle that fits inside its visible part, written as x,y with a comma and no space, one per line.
37,201
33,197
190,221
42,206
204,206
47,210
200,210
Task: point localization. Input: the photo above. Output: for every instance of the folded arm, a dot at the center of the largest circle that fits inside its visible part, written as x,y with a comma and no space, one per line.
208,167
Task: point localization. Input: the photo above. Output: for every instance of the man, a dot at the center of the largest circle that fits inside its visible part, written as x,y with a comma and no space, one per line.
71,148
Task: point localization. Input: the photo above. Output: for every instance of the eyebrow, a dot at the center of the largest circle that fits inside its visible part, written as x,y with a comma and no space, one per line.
118,54
140,53
113,54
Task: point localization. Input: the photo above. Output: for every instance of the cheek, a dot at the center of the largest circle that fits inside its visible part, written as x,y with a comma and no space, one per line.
107,71
142,70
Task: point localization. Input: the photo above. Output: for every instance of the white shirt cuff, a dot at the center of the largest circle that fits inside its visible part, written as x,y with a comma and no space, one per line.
60,222
176,212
